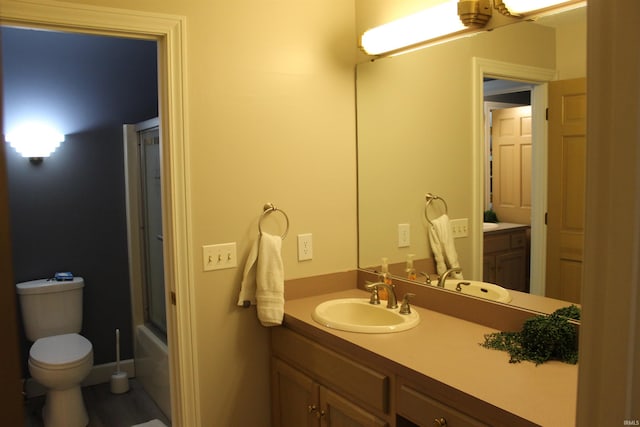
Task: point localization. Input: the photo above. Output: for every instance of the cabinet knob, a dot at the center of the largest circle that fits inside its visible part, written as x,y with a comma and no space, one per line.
440,422
313,409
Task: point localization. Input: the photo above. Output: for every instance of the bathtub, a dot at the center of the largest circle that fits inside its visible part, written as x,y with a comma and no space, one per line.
152,367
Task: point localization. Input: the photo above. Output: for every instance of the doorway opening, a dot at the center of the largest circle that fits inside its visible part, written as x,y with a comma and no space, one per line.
169,33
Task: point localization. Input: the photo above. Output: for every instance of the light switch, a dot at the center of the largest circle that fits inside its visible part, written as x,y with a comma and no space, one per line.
217,257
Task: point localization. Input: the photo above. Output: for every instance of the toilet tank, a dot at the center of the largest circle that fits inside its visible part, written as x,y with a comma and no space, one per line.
50,307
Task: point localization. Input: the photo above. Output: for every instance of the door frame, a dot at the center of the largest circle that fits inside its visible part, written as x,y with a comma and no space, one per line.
170,33
537,76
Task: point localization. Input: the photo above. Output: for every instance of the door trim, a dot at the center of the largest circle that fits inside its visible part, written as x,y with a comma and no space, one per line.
170,33
483,67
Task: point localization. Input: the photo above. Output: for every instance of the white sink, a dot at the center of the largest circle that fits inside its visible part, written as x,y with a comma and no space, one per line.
357,315
484,290
486,226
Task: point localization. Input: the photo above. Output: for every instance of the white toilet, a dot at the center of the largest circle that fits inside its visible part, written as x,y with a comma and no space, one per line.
59,358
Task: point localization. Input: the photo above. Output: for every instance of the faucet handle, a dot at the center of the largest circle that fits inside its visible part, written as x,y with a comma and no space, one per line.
427,277
405,308
375,298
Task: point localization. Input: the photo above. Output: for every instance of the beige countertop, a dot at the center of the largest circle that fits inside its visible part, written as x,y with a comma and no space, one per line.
447,349
504,226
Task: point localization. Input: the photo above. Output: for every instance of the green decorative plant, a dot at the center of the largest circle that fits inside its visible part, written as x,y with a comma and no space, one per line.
542,338
490,216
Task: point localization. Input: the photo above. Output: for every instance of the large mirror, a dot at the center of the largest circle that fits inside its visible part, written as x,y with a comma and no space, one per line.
419,129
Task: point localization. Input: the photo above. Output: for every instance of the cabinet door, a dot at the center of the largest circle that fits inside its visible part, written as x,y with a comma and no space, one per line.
339,412
295,397
489,268
511,270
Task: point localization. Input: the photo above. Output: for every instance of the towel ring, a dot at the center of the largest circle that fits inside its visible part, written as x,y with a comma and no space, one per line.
269,208
430,198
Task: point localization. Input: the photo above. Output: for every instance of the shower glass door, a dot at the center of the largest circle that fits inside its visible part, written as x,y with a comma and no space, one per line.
155,313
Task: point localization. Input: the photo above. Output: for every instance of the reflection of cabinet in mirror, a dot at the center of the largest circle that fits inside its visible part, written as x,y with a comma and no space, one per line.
506,257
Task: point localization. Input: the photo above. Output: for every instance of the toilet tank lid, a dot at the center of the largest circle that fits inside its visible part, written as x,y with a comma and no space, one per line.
42,286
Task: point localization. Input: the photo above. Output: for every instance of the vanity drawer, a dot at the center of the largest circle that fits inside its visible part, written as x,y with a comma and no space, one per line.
518,240
369,387
425,411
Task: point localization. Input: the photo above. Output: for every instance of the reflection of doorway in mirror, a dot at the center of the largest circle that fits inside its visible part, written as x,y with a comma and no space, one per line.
511,164
507,190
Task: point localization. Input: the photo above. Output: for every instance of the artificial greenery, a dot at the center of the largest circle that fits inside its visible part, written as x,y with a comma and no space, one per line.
490,216
542,338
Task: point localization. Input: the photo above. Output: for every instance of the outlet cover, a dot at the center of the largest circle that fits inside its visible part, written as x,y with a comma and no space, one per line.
305,247
404,235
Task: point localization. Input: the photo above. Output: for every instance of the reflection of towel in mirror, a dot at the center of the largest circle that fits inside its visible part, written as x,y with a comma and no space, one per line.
263,280
442,245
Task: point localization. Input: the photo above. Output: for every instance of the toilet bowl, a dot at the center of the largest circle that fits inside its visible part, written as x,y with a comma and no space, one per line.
61,363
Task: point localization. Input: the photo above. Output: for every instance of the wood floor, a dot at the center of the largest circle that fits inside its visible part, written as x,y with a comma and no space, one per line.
106,409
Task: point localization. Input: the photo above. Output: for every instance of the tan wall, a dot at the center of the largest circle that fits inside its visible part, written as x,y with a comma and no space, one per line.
571,48
270,118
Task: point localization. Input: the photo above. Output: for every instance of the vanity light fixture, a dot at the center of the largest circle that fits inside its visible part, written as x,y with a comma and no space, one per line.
427,25
452,19
35,141
526,8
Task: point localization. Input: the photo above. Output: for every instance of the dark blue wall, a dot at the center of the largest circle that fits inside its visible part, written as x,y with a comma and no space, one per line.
68,213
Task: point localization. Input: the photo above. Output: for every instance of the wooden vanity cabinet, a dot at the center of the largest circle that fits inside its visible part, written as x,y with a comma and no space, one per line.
505,260
420,408
313,386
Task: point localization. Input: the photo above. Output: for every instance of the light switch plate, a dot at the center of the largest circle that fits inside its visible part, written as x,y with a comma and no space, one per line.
218,257
460,227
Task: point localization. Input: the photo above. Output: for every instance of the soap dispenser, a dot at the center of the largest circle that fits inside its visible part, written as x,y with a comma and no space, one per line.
410,270
384,277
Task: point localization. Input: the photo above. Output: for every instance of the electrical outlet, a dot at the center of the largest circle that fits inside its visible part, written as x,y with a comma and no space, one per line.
305,247
217,257
404,235
460,227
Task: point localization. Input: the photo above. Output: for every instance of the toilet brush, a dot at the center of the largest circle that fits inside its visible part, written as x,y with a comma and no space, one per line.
119,380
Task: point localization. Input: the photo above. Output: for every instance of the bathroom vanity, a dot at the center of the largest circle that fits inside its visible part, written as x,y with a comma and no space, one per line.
506,256
433,374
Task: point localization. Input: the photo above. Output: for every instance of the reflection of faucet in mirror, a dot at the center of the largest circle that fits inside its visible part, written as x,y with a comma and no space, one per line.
426,276
446,274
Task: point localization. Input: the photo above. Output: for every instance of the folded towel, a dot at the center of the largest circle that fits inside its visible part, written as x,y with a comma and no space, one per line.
263,280
270,281
442,245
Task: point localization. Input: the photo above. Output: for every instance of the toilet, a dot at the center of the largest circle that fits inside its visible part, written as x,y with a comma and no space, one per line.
60,358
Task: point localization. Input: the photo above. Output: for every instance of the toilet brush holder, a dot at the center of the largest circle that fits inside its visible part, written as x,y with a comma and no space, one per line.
119,379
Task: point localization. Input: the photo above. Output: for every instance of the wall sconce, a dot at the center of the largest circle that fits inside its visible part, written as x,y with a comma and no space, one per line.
35,141
450,20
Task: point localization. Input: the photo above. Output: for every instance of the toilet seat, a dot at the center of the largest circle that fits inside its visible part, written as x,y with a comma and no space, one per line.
60,351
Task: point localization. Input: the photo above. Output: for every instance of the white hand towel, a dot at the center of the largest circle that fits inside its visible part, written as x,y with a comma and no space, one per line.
270,281
247,295
263,280
442,245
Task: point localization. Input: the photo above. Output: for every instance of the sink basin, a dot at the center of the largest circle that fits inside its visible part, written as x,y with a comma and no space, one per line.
484,290
357,315
486,226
